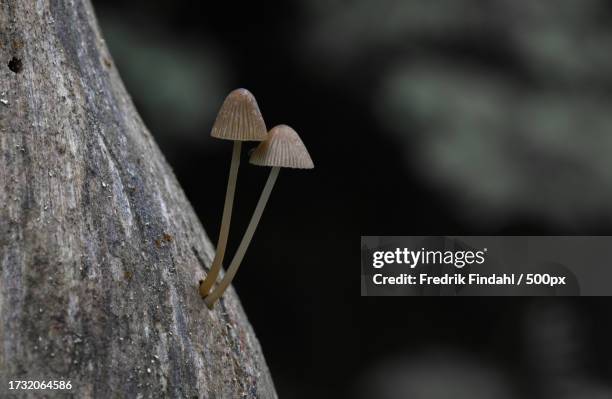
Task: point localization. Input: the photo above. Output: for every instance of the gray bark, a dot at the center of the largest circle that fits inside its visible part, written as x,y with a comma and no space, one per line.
100,251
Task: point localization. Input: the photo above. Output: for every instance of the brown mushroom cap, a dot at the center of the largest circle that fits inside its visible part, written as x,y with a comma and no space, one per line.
239,118
282,148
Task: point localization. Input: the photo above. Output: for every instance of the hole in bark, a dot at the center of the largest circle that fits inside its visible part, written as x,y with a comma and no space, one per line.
15,65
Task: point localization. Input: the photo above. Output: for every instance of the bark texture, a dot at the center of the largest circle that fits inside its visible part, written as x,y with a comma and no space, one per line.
100,251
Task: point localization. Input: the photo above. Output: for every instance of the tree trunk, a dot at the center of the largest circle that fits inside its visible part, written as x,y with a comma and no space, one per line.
100,251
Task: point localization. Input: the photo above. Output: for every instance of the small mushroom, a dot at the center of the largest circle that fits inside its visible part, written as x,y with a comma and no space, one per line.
239,119
282,149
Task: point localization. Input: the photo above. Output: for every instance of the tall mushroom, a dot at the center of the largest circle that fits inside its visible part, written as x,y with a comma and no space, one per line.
239,119
282,149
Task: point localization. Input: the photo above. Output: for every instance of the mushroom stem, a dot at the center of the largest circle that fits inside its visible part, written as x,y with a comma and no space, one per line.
225,222
246,240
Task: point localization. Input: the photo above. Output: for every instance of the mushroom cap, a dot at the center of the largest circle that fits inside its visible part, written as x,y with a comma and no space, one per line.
282,148
239,118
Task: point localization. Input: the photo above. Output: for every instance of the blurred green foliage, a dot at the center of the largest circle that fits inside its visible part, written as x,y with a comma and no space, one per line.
177,83
504,105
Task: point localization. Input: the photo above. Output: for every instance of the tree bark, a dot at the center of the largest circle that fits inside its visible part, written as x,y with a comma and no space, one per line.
100,251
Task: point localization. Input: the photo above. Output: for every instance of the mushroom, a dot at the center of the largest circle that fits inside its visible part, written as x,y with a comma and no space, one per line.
282,149
239,119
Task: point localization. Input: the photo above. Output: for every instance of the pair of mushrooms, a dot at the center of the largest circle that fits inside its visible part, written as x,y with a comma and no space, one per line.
239,119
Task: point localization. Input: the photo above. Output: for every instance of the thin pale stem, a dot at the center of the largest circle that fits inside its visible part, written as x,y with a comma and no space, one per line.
211,277
246,240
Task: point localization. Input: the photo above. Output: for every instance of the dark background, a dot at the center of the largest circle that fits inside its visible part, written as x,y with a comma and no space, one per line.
447,117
